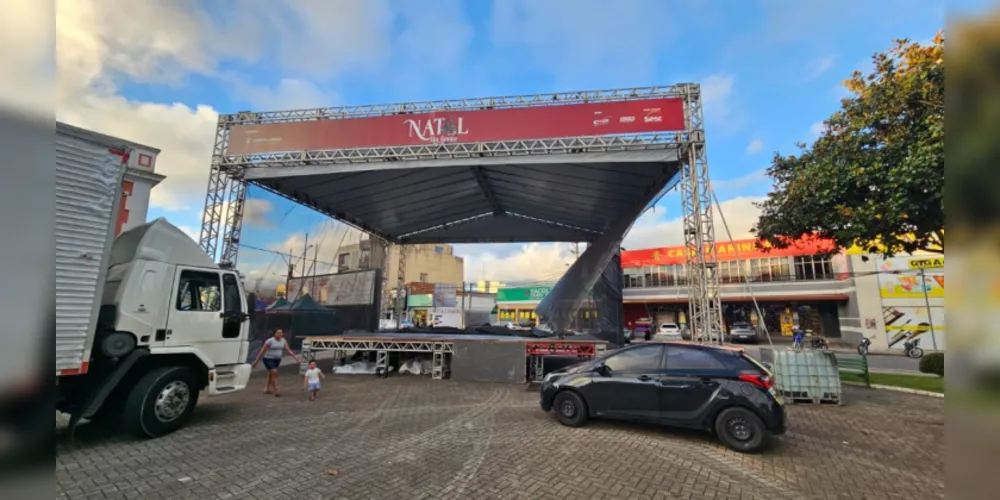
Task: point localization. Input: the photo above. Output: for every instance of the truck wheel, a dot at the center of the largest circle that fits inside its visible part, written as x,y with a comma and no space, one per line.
161,402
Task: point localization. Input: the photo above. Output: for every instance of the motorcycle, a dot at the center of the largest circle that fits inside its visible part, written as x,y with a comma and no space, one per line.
864,345
818,343
912,349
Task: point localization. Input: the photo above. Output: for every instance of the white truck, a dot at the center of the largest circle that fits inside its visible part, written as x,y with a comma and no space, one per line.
146,321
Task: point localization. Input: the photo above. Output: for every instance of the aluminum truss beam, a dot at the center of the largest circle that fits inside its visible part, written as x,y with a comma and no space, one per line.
333,343
704,302
641,142
478,103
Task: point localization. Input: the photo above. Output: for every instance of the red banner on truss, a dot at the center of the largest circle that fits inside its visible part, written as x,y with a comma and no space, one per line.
559,349
447,127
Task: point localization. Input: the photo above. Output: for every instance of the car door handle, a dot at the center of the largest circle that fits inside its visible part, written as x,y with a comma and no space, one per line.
645,378
707,381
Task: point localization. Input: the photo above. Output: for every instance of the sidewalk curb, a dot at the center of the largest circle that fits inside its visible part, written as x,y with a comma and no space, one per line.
898,389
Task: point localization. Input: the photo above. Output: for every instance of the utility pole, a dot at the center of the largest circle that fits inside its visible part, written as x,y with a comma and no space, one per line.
312,286
291,272
927,304
305,267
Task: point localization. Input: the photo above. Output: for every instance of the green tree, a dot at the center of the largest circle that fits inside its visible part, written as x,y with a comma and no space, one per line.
875,176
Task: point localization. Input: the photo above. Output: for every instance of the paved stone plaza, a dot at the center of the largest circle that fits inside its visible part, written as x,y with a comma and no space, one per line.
414,438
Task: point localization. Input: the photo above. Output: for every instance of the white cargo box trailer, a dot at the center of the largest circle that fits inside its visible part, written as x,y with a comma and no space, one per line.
89,172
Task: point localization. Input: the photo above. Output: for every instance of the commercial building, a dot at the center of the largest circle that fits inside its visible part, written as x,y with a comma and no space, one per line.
424,263
840,295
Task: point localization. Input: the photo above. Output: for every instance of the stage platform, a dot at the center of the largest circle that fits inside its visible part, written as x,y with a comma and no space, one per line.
469,357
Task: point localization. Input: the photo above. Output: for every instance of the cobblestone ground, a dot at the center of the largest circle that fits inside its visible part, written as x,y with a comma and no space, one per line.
414,438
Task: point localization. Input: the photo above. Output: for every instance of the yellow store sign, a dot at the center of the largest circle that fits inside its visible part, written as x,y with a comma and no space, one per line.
930,263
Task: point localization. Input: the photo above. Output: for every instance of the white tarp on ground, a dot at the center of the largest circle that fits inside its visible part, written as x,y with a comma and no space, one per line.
416,366
356,368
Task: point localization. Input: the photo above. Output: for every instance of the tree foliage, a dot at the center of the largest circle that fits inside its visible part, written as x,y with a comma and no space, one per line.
875,176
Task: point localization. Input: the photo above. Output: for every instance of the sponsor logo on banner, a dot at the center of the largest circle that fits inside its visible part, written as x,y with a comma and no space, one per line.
437,130
602,121
626,119
652,115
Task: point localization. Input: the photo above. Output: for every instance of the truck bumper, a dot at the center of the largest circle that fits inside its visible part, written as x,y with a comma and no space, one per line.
230,378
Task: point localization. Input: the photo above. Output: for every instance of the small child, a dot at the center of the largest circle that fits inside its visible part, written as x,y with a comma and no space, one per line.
311,380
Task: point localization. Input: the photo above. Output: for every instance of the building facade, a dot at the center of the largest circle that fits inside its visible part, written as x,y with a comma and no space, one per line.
810,285
424,263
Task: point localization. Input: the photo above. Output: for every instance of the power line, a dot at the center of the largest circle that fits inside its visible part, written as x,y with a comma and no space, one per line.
275,252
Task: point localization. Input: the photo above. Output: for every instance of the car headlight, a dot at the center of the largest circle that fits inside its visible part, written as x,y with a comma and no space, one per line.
550,377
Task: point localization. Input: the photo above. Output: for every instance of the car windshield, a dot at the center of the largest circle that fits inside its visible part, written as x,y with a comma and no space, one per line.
742,326
669,326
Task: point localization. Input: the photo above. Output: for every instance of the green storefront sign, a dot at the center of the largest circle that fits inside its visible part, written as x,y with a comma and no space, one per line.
420,300
523,294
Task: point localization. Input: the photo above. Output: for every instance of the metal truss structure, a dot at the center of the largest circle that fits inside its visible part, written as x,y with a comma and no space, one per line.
439,351
704,298
227,182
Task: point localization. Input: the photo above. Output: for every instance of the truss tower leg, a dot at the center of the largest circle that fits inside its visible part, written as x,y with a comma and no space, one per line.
400,302
704,302
387,306
234,222
211,217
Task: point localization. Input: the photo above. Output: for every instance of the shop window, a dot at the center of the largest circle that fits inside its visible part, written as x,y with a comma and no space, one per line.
633,277
770,269
814,267
732,271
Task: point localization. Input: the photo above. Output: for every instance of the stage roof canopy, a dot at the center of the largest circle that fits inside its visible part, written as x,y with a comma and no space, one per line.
558,167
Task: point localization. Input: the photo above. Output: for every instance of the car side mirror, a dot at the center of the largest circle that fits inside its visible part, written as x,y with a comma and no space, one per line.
602,370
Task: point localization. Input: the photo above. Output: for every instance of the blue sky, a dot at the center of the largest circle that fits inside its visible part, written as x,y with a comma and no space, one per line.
771,70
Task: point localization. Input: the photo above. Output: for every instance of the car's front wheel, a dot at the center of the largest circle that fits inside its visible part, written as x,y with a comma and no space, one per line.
741,430
570,408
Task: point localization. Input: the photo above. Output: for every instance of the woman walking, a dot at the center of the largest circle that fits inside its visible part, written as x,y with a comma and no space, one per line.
271,352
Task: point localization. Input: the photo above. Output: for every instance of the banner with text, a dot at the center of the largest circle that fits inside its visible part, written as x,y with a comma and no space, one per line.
727,250
447,127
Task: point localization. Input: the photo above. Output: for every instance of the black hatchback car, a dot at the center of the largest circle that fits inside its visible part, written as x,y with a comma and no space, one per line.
718,389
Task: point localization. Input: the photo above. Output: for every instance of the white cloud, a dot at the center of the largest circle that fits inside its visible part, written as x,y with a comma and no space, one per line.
715,93
817,129
104,42
546,262
650,231
755,146
817,68
289,93
534,262
740,183
256,213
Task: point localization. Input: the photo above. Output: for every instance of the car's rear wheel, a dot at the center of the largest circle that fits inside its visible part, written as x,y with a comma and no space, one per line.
741,430
570,408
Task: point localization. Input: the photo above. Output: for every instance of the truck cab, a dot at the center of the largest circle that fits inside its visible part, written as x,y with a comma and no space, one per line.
172,324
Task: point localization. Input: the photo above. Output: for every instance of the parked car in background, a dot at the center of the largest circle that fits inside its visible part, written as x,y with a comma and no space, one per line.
743,332
713,388
668,331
